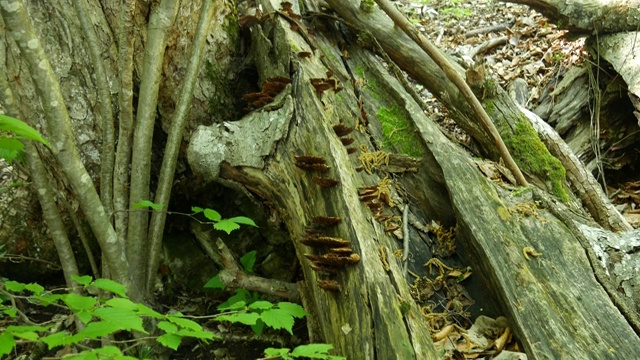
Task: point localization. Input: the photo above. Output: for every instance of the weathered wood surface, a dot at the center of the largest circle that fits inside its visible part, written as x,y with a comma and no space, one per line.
589,16
555,305
363,320
499,106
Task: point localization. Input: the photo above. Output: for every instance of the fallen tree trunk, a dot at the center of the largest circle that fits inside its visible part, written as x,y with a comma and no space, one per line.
307,169
589,16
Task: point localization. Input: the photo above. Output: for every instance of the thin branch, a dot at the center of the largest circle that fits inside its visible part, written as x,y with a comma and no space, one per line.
125,120
59,124
172,148
106,108
160,22
401,21
232,275
405,231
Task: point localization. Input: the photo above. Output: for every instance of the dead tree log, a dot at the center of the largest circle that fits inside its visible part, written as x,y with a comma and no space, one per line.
589,16
295,154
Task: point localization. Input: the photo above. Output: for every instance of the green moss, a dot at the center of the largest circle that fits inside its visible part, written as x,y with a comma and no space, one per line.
360,71
489,107
398,133
533,157
366,5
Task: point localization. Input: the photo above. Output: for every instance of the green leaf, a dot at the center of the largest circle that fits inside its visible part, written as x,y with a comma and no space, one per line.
214,283
171,341
292,309
78,302
126,319
98,329
313,351
204,335
167,327
7,343
243,220
11,312
48,299
11,149
144,310
14,286
122,303
241,317
226,225
58,339
260,305
35,288
258,327
273,352
184,323
147,204
24,328
82,280
212,215
236,302
196,209
21,129
278,319
248,260
111,286
27,335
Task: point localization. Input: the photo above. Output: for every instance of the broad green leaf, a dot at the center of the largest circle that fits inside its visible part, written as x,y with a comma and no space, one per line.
273,352
243,318
78,302
184,323
248,260
7,343
47,299
58,339
14,286
313,351
144,310
35,288
226,226
111,286
196,209
147,204
98,329
82,280
171,341
27,335
167,327
127,319
84,315
20,128
11,312
260,305
236,302
205,335
278,319
292,309
214,283
11,149
258,327
212,215
243,220
122,303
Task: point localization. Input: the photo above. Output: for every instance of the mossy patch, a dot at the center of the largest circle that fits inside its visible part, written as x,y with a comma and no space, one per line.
533,157
398,132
